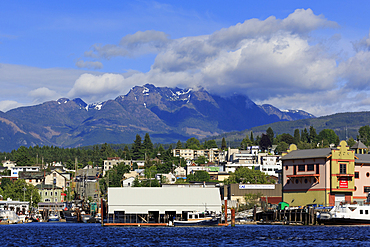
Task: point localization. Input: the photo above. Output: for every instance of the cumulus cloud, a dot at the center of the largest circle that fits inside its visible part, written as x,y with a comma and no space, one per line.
89,64
91,87
43,94
6,105
272,61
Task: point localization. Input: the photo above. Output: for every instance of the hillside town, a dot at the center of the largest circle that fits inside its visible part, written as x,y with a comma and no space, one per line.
251,180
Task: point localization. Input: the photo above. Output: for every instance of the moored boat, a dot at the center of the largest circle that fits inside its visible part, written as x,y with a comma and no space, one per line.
10,217
198,219
346,214
53,217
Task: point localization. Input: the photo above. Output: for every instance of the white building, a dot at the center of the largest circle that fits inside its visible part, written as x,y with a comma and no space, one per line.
162,201
110,162
180,172
270,164
128,182
212,154
14,171
9,164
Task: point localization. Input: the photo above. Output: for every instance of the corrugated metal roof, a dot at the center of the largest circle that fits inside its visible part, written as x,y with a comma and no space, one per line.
307,154
141,200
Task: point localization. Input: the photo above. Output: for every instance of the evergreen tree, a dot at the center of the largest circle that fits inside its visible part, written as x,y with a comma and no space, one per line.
265,142
304,135
252,138
297,136
147,145
223,144
245,143
313,135
126,153
178,145
270,134
137,149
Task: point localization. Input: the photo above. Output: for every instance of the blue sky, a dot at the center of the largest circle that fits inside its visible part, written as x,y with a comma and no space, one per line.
309,55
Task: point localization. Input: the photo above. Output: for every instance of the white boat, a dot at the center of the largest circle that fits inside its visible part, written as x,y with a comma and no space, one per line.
346,214
7,216
53,217
197,219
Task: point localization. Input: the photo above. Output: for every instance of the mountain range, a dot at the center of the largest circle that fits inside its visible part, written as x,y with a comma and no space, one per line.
167,114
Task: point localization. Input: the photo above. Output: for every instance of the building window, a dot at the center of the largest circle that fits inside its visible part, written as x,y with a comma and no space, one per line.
310,167
367,174
46,193
361,211
343,168
357,175
366,189
301,168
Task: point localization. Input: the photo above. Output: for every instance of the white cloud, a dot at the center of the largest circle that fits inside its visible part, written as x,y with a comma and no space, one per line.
276,61
89,64
264,59
91,87
131,45
43,94
24,84
8,105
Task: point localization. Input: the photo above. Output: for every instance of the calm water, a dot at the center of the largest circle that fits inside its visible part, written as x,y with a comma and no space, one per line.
63,234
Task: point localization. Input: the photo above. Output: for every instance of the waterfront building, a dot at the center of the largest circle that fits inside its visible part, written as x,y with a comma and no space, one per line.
324,176
160,204
16,206
235,193
50,193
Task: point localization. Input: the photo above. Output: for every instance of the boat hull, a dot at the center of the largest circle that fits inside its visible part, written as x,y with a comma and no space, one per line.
344,221
71,219
211,222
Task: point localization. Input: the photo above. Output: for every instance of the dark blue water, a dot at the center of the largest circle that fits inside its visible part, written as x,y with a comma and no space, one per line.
64,234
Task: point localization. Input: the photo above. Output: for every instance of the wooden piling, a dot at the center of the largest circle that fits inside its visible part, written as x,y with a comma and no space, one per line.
233,217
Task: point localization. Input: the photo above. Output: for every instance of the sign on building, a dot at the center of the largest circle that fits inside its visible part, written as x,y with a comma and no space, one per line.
256,186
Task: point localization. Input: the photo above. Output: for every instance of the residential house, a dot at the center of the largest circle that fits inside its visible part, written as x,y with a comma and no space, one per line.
180,172
128,182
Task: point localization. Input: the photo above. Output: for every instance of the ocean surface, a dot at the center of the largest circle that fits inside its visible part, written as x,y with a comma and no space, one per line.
66,234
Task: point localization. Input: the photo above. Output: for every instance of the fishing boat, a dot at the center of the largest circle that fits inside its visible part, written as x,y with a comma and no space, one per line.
346,214
70,216
53,217
10,217
197,219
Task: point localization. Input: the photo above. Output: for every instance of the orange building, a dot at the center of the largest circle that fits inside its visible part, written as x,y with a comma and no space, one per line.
325,176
